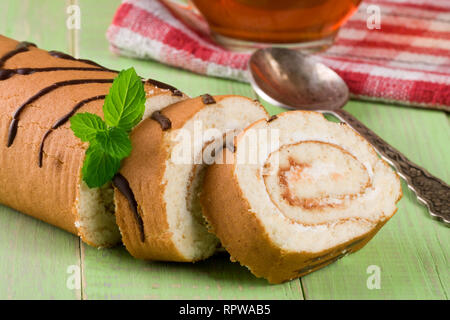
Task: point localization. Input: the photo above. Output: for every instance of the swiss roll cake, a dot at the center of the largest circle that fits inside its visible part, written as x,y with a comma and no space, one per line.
171,151
40,158
284,195
297,193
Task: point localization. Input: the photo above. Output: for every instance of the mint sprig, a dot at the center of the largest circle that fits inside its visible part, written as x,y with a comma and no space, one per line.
125,104
86,125
108,139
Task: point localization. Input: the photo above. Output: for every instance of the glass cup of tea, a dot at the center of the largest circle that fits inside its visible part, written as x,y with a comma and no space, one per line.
244,25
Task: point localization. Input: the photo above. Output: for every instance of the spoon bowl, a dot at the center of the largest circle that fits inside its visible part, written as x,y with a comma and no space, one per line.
293,80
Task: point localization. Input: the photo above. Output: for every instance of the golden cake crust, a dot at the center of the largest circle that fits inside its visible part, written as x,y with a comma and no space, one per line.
144,170
224,207
49,193
244,236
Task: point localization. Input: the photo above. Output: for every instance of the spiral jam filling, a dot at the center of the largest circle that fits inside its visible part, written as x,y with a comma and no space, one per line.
310,178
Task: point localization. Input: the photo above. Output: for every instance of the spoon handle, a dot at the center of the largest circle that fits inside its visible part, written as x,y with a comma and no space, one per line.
433,192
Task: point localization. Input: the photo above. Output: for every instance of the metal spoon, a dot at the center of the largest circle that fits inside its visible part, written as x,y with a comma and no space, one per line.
290,79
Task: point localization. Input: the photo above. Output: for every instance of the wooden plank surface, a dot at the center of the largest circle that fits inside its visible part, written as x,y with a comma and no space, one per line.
412,251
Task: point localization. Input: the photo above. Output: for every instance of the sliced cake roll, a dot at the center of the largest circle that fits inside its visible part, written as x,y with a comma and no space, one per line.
298,193
40,158
95,208
158,210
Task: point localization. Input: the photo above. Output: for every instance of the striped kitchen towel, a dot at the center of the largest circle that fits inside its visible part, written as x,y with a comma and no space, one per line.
406,61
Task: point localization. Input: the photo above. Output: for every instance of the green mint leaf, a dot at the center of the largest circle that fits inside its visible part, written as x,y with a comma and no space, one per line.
86,125
125,104
115,142
108,140
99,167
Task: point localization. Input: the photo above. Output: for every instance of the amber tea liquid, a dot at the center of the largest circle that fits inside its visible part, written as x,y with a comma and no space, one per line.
276,21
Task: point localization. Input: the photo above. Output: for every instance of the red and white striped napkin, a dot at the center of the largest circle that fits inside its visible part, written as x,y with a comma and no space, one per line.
407,61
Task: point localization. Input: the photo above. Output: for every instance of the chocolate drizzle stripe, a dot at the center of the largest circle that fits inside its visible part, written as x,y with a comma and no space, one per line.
15,121
274,117
165,86
121,183
8,73
21,47
41,147
208,99
177,93
163,121
65,56
63,120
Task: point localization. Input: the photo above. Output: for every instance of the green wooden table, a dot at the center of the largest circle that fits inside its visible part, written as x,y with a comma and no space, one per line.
38,261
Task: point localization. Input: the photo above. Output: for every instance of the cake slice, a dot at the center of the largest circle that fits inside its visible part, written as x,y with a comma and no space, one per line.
158,212
317,192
